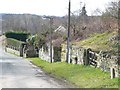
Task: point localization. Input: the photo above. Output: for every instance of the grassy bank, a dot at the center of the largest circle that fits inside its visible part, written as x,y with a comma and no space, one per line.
82,76
102,42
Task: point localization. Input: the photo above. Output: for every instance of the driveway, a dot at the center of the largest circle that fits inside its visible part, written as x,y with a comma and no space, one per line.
16,72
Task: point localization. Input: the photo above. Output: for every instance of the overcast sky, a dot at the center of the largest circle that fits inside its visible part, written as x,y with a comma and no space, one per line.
49,7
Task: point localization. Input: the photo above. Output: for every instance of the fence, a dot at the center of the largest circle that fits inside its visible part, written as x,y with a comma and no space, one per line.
12,49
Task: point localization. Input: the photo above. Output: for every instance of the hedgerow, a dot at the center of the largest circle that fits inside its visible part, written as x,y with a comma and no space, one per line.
21,36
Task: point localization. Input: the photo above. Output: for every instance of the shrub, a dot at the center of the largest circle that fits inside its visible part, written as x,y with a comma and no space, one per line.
21,36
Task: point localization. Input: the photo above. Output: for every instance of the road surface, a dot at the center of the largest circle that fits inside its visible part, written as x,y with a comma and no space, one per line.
17,72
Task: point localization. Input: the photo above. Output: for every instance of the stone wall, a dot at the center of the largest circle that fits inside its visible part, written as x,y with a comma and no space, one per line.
77,54
102,60
22,51
44,53
13,50
63,53
29,51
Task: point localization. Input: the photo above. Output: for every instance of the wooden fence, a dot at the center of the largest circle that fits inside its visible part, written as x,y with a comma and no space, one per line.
92,56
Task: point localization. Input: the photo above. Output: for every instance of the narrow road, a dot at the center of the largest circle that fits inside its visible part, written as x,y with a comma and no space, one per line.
17,72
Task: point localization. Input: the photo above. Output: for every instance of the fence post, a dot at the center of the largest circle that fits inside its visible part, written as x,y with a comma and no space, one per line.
112,72
21,49
87,56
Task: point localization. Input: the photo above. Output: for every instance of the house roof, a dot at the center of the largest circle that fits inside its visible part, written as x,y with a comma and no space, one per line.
60,29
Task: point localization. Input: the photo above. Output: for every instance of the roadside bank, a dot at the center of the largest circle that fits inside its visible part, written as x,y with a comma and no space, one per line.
81,76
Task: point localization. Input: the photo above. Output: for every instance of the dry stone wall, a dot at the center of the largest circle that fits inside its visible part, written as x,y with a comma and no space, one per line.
102,60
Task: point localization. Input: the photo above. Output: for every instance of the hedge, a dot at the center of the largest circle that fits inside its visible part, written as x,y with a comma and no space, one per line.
21,36
13,42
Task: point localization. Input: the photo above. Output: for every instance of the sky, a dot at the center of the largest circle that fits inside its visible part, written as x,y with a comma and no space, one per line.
50,7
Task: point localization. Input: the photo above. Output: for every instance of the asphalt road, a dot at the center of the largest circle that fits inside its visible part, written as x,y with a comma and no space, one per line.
16,72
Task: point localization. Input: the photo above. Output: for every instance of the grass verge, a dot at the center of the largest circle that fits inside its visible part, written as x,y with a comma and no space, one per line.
81,76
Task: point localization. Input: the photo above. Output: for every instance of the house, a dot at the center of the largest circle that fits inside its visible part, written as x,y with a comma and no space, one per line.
60,29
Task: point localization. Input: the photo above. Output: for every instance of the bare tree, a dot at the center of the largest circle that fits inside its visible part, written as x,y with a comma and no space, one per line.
112,9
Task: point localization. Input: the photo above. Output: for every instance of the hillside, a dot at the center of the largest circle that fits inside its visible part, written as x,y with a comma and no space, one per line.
27,22
106,42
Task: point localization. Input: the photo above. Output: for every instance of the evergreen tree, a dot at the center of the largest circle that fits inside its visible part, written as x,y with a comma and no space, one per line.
84,12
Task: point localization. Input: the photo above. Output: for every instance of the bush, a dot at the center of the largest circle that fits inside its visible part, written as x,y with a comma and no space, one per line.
21,36
14,42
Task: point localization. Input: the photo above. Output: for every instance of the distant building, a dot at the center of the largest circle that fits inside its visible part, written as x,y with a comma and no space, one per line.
60,29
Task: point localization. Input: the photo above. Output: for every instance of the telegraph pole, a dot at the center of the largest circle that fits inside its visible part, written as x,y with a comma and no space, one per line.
51,52
68,35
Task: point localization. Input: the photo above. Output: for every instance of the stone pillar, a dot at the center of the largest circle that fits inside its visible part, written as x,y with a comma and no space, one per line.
112,72
117,71
69,59
63,51
21,50
52,53
40,53
81,56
